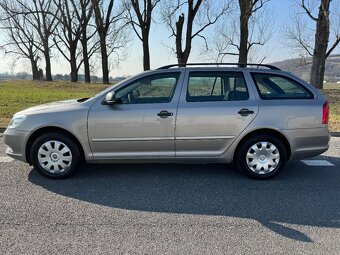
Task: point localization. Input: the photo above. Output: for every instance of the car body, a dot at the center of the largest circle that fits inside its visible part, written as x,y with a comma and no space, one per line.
183,114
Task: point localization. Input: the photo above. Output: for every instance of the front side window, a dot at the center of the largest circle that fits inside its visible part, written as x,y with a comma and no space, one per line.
222,86
152,89
272,86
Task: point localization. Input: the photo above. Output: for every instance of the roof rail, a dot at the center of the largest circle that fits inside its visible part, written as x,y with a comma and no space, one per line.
219,64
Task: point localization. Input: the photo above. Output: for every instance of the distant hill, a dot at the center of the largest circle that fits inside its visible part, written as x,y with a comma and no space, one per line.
298,67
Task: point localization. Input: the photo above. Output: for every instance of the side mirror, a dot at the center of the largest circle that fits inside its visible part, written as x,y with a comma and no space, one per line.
110,98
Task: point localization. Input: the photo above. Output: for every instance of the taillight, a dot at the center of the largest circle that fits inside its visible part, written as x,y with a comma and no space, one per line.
325,113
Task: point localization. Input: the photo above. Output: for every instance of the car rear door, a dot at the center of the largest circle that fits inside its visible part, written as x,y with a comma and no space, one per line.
214,108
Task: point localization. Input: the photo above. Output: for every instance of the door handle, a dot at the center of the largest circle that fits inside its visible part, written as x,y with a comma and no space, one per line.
165,114
245,112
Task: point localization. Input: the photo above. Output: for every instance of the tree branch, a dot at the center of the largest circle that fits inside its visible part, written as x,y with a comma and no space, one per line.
335,44
307,10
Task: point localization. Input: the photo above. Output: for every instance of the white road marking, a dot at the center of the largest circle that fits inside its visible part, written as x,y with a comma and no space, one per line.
6,159
317,162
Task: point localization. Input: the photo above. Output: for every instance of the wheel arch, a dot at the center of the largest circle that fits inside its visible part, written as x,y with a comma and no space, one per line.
50,129
266,131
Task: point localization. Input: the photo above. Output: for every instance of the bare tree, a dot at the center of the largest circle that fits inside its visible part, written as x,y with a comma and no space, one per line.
247,9
200,14
20,36
226,40
67,34
42,16
110,31
229,34
86,12
320,50
73,21
140,18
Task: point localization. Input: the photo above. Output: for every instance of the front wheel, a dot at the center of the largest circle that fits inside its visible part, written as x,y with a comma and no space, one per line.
55,155
261,156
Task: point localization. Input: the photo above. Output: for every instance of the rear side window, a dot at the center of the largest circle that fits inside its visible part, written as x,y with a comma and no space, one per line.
272,86
221,86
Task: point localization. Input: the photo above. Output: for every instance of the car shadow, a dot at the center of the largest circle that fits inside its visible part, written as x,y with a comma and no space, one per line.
298,195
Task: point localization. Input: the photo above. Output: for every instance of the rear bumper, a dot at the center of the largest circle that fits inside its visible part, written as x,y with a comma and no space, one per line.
306,143
15,141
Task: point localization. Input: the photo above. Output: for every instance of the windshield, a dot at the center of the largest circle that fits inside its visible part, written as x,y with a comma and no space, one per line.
109,88
105,91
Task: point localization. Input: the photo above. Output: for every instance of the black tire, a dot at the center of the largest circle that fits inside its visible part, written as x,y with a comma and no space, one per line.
241,156
73,164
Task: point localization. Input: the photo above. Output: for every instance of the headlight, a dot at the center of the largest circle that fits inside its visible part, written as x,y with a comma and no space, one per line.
16,121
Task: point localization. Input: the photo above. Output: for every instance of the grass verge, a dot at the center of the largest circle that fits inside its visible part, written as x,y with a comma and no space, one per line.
18,95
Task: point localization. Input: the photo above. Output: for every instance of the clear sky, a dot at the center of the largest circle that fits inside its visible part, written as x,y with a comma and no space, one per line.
274,49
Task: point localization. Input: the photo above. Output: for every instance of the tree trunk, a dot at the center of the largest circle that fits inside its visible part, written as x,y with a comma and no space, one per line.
320,47
243,54
74,68
245,9
105,61
179,30
48,71
102,24
188,38
87,71
73,62
47,57
317,71
183,55
34,66
86,59
146,52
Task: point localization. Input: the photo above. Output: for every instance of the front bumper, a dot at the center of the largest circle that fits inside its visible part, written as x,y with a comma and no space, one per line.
15,140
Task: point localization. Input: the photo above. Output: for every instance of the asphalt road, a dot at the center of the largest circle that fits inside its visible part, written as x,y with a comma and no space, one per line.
171,209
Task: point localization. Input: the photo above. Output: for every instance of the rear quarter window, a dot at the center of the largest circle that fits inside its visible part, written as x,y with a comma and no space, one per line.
274,86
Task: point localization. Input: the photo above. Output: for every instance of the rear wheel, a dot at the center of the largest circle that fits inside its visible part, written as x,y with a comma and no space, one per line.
261,156
55,155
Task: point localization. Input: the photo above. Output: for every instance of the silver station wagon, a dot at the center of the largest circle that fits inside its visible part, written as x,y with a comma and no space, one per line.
257,116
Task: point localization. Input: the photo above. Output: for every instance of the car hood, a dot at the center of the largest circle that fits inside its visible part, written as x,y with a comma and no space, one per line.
50,107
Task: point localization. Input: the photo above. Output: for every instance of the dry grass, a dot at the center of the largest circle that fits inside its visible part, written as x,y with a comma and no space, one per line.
332,92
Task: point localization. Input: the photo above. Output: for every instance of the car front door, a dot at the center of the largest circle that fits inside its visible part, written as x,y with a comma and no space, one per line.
141,123
214,108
